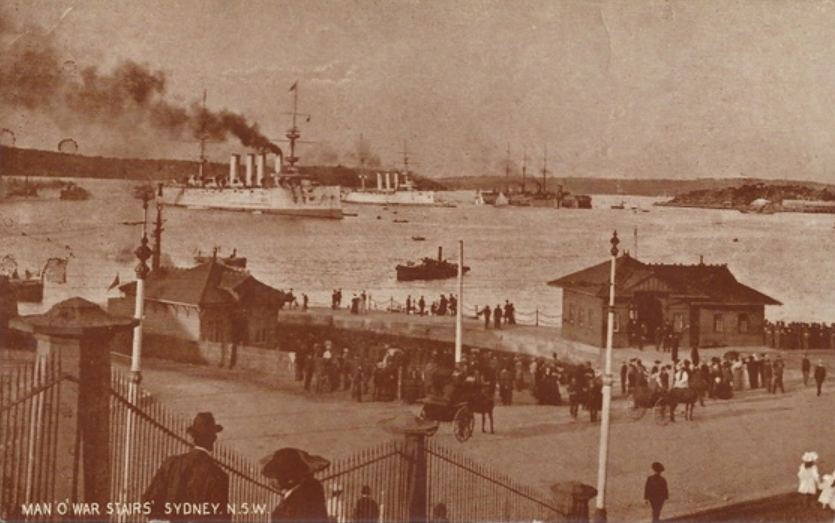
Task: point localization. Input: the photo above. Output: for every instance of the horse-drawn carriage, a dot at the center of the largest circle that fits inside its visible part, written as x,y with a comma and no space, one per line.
662,402
458,413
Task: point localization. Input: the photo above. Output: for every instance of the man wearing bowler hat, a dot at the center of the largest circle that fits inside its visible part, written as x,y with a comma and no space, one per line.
192,479
303,498
655,491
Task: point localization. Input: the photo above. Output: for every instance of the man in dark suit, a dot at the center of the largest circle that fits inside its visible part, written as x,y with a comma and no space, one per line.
191,478
303,496
655,491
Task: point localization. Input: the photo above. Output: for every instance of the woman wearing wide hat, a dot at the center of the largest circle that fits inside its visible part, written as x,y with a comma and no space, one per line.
303,496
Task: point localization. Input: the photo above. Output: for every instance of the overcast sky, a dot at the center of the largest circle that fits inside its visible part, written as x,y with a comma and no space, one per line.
632,88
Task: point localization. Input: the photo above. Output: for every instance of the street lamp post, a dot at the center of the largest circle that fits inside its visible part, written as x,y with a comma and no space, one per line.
143,253
603,457
459,326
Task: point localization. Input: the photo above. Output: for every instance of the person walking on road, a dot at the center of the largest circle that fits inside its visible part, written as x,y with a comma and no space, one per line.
805,368
820,375
655,491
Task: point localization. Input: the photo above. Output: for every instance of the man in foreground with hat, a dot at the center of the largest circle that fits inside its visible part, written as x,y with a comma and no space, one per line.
191,486
303,498
655,491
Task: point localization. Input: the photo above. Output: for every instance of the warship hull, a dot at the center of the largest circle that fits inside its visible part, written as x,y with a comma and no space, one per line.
315,202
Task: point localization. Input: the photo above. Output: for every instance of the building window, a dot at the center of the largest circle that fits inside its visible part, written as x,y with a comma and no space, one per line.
591,319
744,323
616,322
571,314
581,316
718,323
678,322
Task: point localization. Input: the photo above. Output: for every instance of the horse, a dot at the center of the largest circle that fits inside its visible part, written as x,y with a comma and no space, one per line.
688,396
482,402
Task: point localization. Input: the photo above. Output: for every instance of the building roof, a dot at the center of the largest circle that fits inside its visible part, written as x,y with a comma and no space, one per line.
208,284
702,282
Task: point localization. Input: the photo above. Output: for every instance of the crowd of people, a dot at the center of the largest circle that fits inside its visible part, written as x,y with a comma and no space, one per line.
798,335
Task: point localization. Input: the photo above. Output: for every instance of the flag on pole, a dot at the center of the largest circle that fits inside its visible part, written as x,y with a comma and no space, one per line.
55,270
293,87
115,283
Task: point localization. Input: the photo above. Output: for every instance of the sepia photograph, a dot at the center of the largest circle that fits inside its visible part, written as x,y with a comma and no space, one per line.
417,261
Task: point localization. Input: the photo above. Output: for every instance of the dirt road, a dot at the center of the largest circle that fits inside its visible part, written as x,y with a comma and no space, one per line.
745,448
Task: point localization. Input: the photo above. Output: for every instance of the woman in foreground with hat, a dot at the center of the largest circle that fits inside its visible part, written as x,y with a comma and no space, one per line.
303,498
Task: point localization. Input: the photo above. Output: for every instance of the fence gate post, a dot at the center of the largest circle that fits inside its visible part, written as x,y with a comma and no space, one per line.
418,492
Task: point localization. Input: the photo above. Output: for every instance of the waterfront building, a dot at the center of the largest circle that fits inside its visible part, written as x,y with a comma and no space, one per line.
698,305
202,313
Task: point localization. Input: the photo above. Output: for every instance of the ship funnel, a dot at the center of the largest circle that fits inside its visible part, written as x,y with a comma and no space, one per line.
379,181
388,181
234,165
440,254
396,181
261,164
250,168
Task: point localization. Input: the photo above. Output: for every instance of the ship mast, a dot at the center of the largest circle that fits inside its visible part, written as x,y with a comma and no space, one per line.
293,133
544,170
524,168
507,171
405,158
202,138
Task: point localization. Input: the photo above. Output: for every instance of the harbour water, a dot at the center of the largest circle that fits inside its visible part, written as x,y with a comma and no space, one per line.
512,251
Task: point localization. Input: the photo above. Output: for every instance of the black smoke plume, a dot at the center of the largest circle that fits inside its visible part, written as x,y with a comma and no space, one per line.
130,99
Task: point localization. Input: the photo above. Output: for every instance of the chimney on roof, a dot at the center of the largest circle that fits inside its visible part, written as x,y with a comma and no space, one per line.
701,259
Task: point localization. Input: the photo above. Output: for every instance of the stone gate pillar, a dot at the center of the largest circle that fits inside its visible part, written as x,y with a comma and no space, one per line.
79,332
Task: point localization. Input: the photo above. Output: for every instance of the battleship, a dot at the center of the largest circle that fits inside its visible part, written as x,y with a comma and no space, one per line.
282,192
392,189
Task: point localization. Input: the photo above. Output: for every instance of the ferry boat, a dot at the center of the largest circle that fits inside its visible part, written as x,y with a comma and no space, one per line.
429,269
75,192
283,191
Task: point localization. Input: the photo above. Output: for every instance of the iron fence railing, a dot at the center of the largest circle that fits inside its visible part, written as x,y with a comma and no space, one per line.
158,433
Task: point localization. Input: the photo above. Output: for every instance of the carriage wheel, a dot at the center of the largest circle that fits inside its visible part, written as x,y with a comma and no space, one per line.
423,415
463,424
632,409
661,412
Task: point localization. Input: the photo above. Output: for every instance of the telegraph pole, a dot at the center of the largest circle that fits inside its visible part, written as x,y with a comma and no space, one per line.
157,256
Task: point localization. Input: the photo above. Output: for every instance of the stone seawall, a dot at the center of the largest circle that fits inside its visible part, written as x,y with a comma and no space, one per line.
521,339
